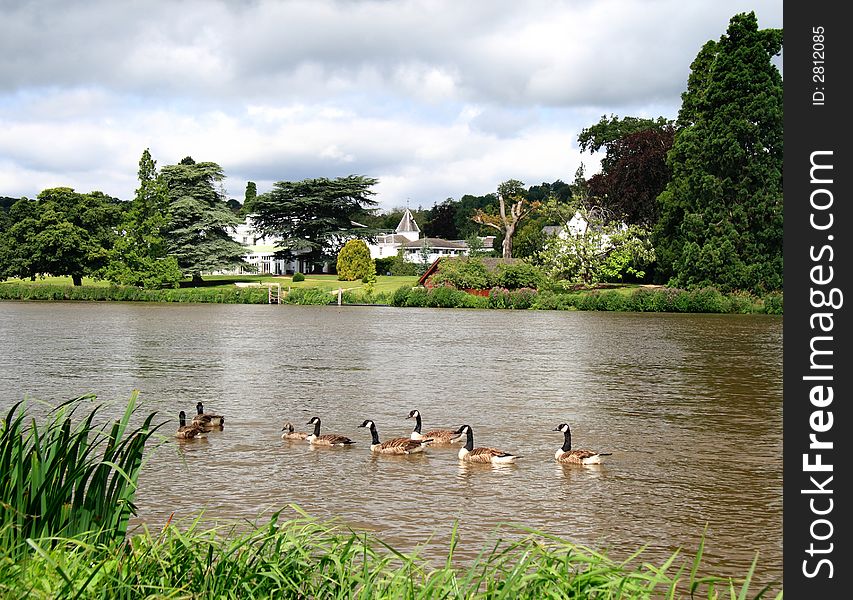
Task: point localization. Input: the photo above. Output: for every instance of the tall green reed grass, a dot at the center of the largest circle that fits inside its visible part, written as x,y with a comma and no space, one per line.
64,479
303,558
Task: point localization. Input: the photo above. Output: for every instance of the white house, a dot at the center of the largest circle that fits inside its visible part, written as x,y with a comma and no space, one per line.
260,250
388,244
577,227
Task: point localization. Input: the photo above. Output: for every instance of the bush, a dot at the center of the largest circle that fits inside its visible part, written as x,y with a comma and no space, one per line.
518,275
400,295
773,304
297,277
709,300
499,298
418,297
463,273
354,261
523,298
445,297
384,265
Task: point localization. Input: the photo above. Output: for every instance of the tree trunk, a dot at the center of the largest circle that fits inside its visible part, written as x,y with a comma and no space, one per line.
197,280
507,243
77,279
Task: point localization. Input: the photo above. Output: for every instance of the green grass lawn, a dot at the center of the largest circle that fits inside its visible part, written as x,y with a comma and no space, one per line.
384,284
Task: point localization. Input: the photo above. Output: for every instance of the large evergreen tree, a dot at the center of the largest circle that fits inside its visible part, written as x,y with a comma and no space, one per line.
139,256
314,217
198,232
721,213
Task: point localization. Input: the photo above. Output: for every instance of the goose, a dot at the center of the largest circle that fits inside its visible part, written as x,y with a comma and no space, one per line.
188,432
207,420
329,439
579,457
469,453
399,445
289,434
439,436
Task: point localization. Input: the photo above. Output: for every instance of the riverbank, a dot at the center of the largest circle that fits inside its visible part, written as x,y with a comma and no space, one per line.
403,292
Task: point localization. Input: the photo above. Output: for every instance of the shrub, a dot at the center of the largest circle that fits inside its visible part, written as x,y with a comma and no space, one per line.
445,297
400,295
418,297
384,265
463,273
709,300
354,261
297,277
499,298
518,275
522,298
773,303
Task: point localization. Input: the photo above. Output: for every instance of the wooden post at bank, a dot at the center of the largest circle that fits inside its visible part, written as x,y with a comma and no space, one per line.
340,293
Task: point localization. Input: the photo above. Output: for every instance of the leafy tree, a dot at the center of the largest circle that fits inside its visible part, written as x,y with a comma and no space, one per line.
61,233
634,172
313,217
354,261
441,221
608,131
198,229
512,193
721,213
139,256
467,207
604,251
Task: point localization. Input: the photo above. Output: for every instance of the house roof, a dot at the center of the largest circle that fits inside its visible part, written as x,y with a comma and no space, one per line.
489,262
434,243
407,223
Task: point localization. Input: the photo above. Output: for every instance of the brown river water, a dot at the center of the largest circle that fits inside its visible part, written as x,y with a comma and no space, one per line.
690,406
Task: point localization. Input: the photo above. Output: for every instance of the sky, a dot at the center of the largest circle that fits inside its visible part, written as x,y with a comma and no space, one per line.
434,98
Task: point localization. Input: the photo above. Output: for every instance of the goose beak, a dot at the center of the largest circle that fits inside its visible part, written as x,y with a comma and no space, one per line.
556,429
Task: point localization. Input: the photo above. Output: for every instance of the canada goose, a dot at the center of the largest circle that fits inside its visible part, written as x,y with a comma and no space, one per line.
207,420
579,457
289,434
188,432
399,445
469,453
439,436
329,439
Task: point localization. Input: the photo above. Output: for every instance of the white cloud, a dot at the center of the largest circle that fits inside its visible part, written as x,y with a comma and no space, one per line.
435,98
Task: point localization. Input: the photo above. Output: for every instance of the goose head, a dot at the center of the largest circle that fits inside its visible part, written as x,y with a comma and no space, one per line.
414,414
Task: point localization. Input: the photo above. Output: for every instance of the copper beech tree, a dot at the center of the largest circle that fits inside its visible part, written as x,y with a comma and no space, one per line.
512,195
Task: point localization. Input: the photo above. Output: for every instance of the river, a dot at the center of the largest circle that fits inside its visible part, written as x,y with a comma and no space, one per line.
690,406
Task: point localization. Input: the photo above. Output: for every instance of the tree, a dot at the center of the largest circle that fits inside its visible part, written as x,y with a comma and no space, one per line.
249,198
441,221
721,213
313,217
602,251
354,261
607,131
61,233
198,229
139,256
634,172
510,192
